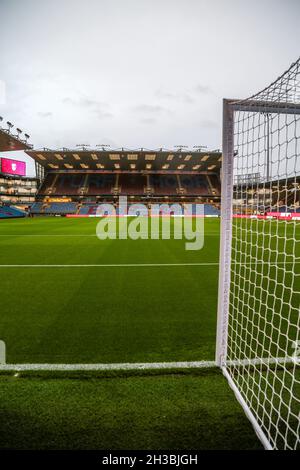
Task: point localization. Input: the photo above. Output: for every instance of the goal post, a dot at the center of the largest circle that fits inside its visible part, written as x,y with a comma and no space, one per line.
258,329
226,231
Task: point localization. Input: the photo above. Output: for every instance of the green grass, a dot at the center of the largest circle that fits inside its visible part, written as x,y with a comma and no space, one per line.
109,314
182,411
104,314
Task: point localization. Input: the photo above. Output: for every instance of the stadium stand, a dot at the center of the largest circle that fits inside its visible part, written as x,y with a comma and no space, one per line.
91,209
69,184
166,185
100,184
132,184
15,187
195,184
129,184
285,209
214,183
88,209
36,208
46,187
60,208
211,210
279,196
76,181
11,212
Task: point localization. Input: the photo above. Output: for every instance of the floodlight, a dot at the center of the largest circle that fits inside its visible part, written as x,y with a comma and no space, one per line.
199,147
83,146
103,146
10,125
180,147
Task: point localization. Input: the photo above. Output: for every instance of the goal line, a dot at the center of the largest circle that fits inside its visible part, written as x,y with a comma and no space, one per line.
147,265
113,366
145,365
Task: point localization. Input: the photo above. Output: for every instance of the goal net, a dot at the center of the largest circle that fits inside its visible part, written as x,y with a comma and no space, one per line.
258,340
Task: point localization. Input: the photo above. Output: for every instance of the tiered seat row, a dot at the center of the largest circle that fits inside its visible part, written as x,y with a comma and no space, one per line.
10,212
87,209
70,184
61,208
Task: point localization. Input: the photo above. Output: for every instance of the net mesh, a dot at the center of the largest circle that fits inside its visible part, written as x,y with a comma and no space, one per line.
263,344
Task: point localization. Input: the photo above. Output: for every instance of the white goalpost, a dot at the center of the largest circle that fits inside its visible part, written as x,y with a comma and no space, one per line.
258,339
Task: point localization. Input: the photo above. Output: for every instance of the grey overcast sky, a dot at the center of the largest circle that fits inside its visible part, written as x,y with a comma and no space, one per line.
137,73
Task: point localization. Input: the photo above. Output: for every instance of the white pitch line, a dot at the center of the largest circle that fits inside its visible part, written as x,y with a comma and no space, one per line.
121,366
47,235
118,265
143,265
145,365
66,235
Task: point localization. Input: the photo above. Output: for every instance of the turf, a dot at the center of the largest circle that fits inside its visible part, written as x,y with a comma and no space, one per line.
193,411
107,314
104,314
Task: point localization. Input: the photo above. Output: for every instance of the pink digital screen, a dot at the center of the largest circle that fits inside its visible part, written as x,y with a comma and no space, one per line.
13,167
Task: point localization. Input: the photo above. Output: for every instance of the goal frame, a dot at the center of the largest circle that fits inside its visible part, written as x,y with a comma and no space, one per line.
230,106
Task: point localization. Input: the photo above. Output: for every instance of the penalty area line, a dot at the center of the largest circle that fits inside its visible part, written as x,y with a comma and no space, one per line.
99,367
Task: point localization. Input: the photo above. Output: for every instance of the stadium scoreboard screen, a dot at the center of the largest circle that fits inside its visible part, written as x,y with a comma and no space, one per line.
12,167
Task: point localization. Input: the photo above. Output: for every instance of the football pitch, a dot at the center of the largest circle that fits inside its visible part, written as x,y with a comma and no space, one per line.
69,298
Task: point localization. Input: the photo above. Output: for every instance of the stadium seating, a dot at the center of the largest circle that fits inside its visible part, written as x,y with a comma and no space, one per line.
209,209
47,183
203,209
100,184
132,184
69,184
283,209
164,184
215,184
36,208
84,187
61,208
10,212
194,184
106,184
88,209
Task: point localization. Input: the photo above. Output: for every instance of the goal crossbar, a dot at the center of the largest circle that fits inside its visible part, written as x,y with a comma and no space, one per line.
258,106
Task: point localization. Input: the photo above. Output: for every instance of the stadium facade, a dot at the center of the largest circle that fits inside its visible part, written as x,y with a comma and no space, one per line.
76,181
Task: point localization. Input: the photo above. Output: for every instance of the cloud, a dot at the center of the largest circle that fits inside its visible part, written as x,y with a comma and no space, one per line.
148,120
166,95
149,109
103,114
187,96
203,89
97,107
184,97
45,114
209,124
